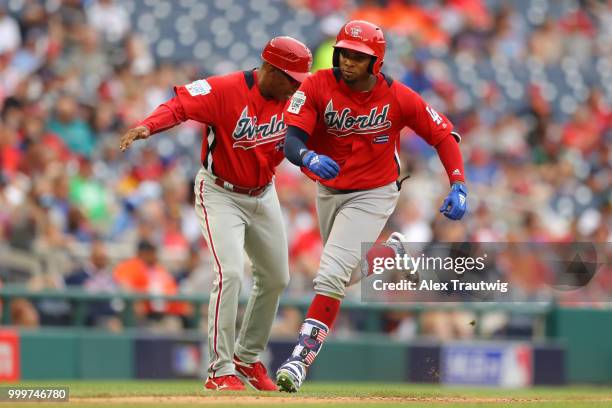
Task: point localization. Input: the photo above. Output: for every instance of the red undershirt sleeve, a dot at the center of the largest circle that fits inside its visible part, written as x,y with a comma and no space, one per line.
167,115
450,156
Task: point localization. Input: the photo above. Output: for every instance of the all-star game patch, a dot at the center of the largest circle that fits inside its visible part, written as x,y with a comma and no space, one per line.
199,87
297,101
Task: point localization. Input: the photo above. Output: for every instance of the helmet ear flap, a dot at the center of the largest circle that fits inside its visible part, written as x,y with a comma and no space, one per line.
376,67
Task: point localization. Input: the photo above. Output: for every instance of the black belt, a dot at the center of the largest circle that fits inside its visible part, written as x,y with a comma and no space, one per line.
398,183
339,191
253,192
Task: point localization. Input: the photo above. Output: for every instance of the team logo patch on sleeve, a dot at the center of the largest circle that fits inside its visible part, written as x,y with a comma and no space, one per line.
199,87
297,101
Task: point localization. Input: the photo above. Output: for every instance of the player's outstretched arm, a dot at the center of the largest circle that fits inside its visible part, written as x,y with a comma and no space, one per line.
137,133
167,115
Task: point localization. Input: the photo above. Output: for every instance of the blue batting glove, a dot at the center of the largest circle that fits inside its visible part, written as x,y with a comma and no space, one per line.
455,203
321,165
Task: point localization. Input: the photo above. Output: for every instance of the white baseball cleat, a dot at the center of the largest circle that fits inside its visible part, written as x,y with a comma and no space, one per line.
398,242
290,376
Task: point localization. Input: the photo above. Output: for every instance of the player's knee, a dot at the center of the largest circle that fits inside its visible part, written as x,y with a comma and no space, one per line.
283,282
275,284
232,275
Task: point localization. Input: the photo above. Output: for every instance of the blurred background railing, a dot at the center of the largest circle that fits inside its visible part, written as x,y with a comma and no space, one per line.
80,303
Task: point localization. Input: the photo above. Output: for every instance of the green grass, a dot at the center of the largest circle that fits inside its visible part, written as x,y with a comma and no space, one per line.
334,395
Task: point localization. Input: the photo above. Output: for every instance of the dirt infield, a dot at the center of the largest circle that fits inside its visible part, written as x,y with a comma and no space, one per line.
253,400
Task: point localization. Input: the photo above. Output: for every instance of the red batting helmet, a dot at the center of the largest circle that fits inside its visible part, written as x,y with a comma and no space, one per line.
289,55
365,37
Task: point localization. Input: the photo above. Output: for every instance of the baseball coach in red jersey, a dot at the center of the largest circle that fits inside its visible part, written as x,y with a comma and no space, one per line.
236,201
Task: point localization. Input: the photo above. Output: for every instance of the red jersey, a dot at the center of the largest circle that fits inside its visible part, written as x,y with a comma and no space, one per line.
244,135
360,130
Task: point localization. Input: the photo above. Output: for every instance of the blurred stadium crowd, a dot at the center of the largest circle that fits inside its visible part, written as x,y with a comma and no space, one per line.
528,84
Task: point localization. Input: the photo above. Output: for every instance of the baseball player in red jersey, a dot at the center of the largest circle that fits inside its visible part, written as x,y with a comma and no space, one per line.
236,201
343,131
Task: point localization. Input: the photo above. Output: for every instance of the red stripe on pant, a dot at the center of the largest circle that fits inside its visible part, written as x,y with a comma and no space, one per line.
212,247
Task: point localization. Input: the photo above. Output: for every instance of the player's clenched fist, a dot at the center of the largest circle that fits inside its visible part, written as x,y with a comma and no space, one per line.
455,204
321,165
137,133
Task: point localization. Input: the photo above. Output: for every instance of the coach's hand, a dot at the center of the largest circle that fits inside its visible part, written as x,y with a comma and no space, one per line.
455,204
321,165
137,133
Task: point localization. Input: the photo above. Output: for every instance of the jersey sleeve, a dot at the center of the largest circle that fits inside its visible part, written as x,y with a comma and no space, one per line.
421,117
199,100
301,109
164,117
